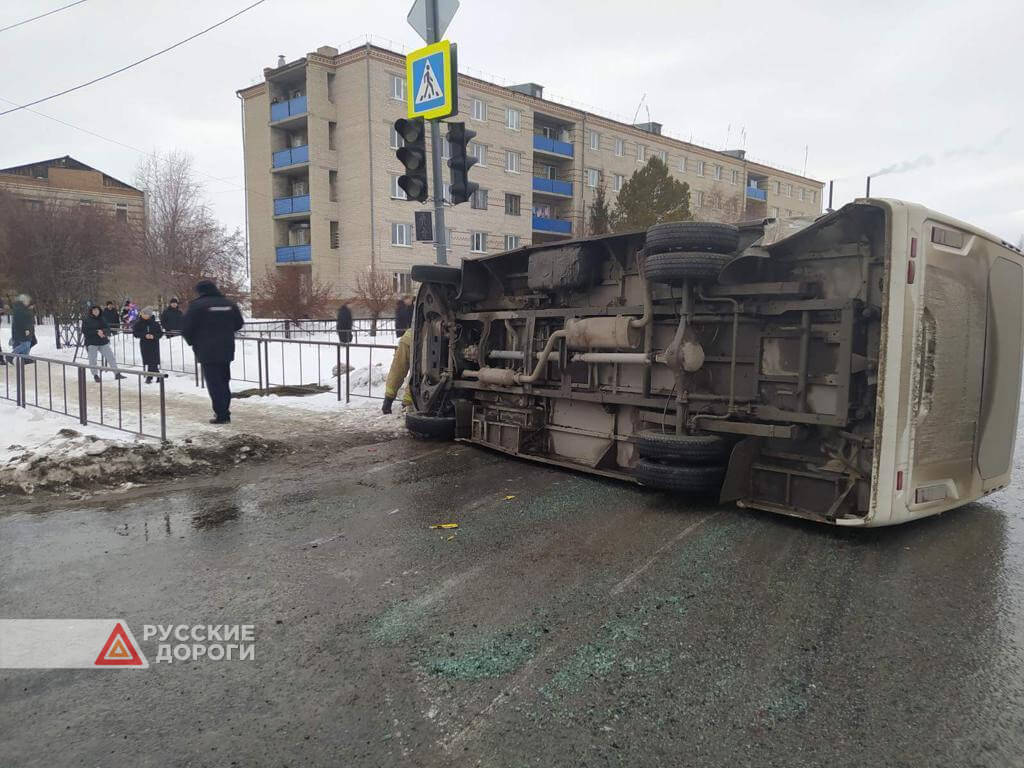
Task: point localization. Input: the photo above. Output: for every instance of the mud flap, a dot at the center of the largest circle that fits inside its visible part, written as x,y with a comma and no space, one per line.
463,419
737,484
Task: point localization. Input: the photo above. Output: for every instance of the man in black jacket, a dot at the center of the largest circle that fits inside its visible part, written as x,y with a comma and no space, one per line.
96,336
111,318
171,318
344,325
23,326
209,328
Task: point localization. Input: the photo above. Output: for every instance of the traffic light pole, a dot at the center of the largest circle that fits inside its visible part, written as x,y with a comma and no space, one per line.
440,233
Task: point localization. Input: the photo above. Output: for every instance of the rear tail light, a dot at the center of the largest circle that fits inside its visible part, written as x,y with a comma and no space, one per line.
899,480
910,272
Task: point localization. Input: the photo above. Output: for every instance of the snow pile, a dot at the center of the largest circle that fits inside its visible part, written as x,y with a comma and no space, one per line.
73,460
369,379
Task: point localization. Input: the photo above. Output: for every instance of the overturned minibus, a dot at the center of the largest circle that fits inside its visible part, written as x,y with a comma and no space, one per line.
860,369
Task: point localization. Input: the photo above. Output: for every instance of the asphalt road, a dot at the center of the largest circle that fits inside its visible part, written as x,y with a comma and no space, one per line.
568,621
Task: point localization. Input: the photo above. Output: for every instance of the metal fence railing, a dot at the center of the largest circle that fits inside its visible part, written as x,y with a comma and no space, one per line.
271,362
68,388
364,330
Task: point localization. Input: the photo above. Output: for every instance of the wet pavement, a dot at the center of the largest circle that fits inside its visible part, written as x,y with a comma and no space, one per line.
567,621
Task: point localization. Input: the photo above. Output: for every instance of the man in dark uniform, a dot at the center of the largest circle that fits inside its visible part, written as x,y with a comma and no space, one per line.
403,316
111,318
209,327
344,324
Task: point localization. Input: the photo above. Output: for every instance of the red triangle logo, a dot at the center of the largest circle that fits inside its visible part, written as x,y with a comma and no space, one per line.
119,651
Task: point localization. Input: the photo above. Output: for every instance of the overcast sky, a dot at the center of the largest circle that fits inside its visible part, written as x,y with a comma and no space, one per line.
931,88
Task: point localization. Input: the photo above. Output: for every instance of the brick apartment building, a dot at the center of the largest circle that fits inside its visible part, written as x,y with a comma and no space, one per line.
321,174
68,181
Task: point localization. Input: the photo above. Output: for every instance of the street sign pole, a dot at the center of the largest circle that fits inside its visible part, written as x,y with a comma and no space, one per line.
440,231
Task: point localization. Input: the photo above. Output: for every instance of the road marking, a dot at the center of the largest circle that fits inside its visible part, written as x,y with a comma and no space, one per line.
651,560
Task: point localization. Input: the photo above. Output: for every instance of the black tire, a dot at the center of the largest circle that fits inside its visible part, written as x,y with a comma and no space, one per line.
705,479
691,449
692,236
435,273
430,427
676,266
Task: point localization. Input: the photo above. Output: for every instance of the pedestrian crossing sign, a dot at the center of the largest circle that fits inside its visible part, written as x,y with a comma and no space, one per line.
431,76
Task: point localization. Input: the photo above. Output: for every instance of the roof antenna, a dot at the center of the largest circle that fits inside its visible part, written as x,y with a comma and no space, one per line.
635,114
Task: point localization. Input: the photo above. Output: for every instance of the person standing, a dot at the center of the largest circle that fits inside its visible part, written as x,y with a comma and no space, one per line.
111,318
148,331
23,325
96,335
344,324
397,374
209,327
403,316
171,318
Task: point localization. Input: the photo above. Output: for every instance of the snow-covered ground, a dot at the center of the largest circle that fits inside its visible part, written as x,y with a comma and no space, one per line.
34,430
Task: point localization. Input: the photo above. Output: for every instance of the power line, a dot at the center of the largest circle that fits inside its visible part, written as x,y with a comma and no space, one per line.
134,63
43,15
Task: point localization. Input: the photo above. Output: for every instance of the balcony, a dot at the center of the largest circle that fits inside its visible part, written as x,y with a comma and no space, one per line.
552,186
292,156
290,254
551,146
555,226
283,110
285,206
756,194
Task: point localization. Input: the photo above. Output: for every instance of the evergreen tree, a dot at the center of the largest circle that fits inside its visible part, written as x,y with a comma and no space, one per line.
600,216
651,196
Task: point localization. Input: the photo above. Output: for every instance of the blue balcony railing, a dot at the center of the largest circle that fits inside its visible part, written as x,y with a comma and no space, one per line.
291,156
285,205
290,108
552,186
552,225
756,194
287,254
553,146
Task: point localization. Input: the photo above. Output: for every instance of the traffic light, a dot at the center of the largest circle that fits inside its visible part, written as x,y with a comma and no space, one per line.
413,155
460,162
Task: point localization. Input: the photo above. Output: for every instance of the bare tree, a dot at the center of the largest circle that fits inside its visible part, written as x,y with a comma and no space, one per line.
292,293
183,243
376,293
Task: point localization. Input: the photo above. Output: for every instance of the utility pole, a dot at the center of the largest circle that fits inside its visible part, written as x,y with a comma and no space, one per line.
440,232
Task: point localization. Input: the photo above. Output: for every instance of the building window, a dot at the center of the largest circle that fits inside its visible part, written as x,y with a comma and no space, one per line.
663,156
718,173
775,212
700,199
595,140
332,135
478,200
479,110
788,190
395,140
511,242
735,177
801,193
401,282
682,164
513,160
33,205
619,147
777,187
330,86
512,204
397,193
700,167
513,119
398,88
332,184
617,181
335,235
446,193
446,149
593,176
478,242
448,243
479,151
814,196
641,153
401,235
